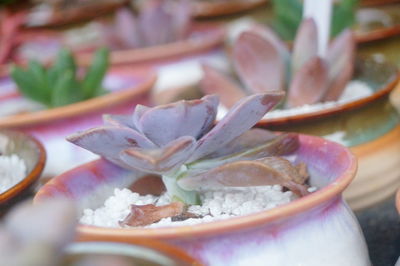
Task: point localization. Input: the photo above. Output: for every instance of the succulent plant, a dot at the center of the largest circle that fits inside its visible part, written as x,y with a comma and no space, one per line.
288,15
158,22
263,63
59,84
180,142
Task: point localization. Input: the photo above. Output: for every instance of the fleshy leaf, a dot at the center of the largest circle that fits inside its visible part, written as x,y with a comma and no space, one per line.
156,25
109,141
182,19
160,160
305,46
340,59
118,120
126,28
251,149
309,84
258,63
214,82
142,215
163,124
248,140
137,114
240,118
263,172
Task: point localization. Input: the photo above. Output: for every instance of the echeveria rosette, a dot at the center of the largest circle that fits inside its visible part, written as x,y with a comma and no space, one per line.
158,22
180,142
264,63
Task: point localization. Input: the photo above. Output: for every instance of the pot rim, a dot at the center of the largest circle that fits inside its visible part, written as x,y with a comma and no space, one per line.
79,108
205,10
398,200
158,246
295,207
336,109
101,9
32,176
157,52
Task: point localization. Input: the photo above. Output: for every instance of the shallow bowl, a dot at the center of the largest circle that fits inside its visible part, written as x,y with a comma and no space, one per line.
291,234
32,152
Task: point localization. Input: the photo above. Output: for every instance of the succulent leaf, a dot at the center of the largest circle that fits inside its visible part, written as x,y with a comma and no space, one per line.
95,74
109,141
127,28
262,172
305,46
184,118
251,149
258,63
240,118
142,215
160,160
214,82
118,120
309,84
340,59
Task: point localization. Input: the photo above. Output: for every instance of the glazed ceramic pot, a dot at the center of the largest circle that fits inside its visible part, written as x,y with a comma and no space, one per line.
203,9
32,152
51,126
133,252
318,228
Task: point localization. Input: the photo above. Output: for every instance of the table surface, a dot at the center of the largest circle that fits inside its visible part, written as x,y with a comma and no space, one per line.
381,226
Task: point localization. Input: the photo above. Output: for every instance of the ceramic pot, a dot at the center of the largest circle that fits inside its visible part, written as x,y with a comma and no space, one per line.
291,234
51,126
32,152
135,252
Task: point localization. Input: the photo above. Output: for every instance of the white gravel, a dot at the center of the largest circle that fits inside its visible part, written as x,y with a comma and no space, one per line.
217,205
12,171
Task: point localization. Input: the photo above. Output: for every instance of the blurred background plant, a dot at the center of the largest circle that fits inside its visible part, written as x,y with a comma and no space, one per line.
61,83
288,15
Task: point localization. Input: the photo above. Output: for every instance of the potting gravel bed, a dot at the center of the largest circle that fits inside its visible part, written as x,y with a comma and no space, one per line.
12,171
216,205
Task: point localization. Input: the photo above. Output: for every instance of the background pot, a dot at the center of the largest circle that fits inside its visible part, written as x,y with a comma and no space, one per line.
277,235
33,154
53,125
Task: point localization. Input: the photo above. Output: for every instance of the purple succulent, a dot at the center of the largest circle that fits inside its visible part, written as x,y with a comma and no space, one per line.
158,22
180,142
263,63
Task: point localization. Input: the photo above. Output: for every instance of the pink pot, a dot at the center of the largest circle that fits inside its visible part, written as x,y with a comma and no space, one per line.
319,229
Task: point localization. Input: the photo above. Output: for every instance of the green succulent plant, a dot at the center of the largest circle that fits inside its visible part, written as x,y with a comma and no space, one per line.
288,16
61,83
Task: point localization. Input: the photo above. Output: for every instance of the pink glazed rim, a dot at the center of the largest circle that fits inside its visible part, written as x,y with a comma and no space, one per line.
334,188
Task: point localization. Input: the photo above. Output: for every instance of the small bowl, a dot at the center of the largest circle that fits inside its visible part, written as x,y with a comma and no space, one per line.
32,152
137,252
290,234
